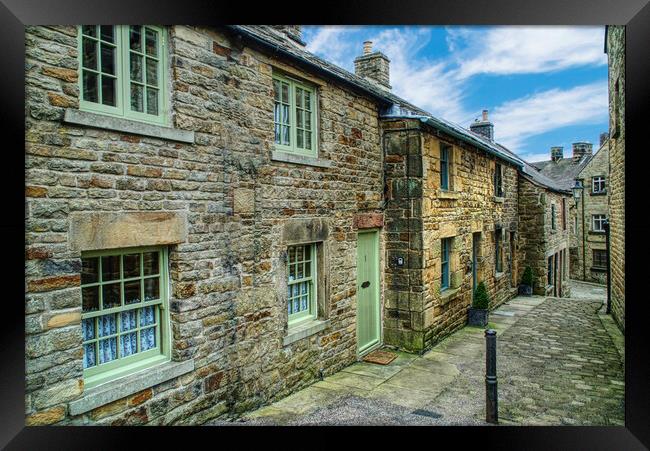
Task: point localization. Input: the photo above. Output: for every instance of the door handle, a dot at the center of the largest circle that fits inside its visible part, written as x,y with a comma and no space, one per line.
365,284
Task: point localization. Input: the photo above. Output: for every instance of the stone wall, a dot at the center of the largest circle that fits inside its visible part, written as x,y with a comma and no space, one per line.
419,214
594,203
616,59
235,207
539,240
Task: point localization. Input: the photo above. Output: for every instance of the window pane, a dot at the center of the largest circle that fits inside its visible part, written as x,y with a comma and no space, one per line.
128,320
89,30
285,93
108,59
299,116
285,114
150,263
89,270
151,42
88,329
135,38
307,100
107,350
128,344
136,67
132,292
89,53
111,295
137,100
108,33
307,140
131,265
151,289
285,136
89,355
276,90
147,316
152,101
108,90
277,133
90,299
308,269
148,339
107,325
90,87
308,121
152,72
299,97
299,139
110,268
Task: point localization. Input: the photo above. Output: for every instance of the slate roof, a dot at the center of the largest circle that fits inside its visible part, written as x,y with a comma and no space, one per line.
563,171
393,106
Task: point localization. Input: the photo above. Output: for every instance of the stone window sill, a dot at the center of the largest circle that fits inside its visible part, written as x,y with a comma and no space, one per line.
304,330
596,232
88,119
285,157
498,275
600,193
128,385
448,295
499,199
444,194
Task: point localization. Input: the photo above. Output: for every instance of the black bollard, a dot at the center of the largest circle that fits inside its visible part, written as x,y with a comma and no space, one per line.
491,396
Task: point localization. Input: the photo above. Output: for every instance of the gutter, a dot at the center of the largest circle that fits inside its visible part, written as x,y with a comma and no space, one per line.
469,139
315,67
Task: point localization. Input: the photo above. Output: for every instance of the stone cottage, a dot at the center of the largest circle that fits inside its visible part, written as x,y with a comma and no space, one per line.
216,218
588,251
615,49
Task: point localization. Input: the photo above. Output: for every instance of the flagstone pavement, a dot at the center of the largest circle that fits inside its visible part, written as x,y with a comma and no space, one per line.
559,362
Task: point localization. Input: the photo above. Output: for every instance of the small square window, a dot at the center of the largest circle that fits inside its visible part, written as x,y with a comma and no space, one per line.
600,258
598,184
598,223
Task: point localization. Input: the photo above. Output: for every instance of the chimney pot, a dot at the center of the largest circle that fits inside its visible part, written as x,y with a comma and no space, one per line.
485,115
367,47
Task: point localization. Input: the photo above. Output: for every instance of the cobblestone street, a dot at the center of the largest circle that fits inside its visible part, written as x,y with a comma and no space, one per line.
560,362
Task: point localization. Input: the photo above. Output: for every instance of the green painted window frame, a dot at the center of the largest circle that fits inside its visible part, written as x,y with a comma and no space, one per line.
311,312
445,252
122,366
498,252
295,84
445,166
123,77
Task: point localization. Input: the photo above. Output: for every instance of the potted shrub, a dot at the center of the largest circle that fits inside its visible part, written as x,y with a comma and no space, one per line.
478,312
527,280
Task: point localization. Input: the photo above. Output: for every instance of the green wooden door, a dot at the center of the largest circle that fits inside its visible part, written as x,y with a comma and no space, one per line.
368,309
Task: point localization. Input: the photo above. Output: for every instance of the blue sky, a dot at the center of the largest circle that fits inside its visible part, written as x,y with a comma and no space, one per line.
543,86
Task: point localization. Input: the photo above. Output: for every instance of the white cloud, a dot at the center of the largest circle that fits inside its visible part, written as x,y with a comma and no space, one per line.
520,50
519,119
333,44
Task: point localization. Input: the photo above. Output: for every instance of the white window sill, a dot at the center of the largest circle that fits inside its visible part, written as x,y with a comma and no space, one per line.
128,385
498,275
499,199
96,120
304,330
278,155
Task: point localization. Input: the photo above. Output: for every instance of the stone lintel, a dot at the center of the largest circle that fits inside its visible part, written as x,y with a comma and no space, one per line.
368,220
91,231
306,230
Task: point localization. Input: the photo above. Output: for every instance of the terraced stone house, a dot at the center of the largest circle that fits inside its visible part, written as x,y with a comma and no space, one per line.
216,218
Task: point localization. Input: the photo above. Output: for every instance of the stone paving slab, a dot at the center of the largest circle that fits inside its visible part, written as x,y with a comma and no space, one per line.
559,362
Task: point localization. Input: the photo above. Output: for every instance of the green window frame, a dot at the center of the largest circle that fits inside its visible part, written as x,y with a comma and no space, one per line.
445,251
445,165
124,319
123,71
295,116
301,282
498,252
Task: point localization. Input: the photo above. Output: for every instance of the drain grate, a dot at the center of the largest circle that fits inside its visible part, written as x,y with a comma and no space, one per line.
427,413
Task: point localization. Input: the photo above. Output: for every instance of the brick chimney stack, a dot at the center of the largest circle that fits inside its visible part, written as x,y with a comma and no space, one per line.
557,153
580,149
373,66
484,126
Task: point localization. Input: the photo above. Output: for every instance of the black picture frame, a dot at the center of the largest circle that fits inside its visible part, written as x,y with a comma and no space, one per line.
15,14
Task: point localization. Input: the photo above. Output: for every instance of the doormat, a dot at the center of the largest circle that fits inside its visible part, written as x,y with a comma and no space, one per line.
380,357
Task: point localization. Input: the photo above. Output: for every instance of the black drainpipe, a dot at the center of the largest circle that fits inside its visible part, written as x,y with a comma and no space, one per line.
609,269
